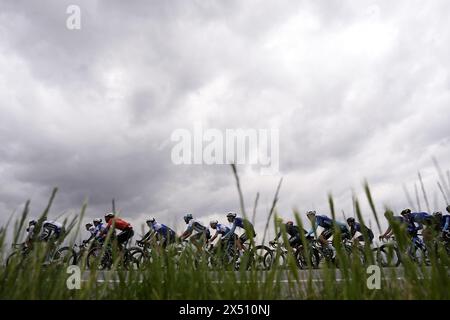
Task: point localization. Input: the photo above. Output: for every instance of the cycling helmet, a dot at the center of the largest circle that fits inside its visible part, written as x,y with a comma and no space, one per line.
311,213
213,222
290,223
231,215
32,222
351,220
98,220
151,220
405,212
188,217
437,214
109,215
88,224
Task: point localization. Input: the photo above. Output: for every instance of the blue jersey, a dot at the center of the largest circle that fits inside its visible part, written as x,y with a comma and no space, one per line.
421,217
240,222
445,222
222,229
321,221
160,228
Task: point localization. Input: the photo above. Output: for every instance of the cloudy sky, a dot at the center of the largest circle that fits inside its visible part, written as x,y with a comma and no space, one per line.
358,90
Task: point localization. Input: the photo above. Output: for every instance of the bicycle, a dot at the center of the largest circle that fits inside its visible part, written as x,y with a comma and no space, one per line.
103,257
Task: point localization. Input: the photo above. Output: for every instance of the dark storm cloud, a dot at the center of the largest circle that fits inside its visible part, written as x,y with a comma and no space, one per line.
359,89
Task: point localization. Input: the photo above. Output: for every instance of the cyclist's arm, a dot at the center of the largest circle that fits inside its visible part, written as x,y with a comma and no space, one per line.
146,236
214,236
187,233
312,231
447,224
233,228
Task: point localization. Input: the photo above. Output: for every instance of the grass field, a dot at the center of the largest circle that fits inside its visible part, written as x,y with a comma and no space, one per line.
164,279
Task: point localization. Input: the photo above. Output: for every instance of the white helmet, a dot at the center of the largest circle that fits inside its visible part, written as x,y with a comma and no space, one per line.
311,213
213,222
231,215
98,220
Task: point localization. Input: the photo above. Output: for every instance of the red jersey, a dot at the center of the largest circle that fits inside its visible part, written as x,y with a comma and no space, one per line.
119,224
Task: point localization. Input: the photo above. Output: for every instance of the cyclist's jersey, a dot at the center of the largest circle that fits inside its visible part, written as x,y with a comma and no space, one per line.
194,225
327,224
445,222
292,231
160,228
119,224
92,231
241,223
357,227
222,229
53,225
421,217
100,230
324,222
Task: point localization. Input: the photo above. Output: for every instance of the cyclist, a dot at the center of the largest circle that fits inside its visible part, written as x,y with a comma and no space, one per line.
163,232
91,229
328,225
358,229
126,229
100,230
30,233
294,233
442,223
243,224
202,233
223,231
51,230
416,221
392,220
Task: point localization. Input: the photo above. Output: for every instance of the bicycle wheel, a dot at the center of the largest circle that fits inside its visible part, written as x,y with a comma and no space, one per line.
419,255
301,259
133,260
97,258
257,257
388,256
64,256
13,257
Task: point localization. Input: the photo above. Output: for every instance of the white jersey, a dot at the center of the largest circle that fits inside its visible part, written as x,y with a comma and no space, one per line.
156,226
55,224
196,226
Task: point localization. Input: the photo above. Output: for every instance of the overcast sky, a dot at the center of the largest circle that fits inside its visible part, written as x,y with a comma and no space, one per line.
358,89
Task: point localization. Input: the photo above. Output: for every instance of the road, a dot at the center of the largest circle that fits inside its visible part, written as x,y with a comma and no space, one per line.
284,277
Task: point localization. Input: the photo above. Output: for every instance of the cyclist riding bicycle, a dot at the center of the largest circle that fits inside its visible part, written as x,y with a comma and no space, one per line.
222,230
241,223
392,220
202,233
164,234
328,225
294,233
30,233
416,221
126,229
91,229
100,230
356,231
442,223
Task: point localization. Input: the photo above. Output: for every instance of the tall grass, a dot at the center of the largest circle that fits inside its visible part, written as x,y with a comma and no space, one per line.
189,276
